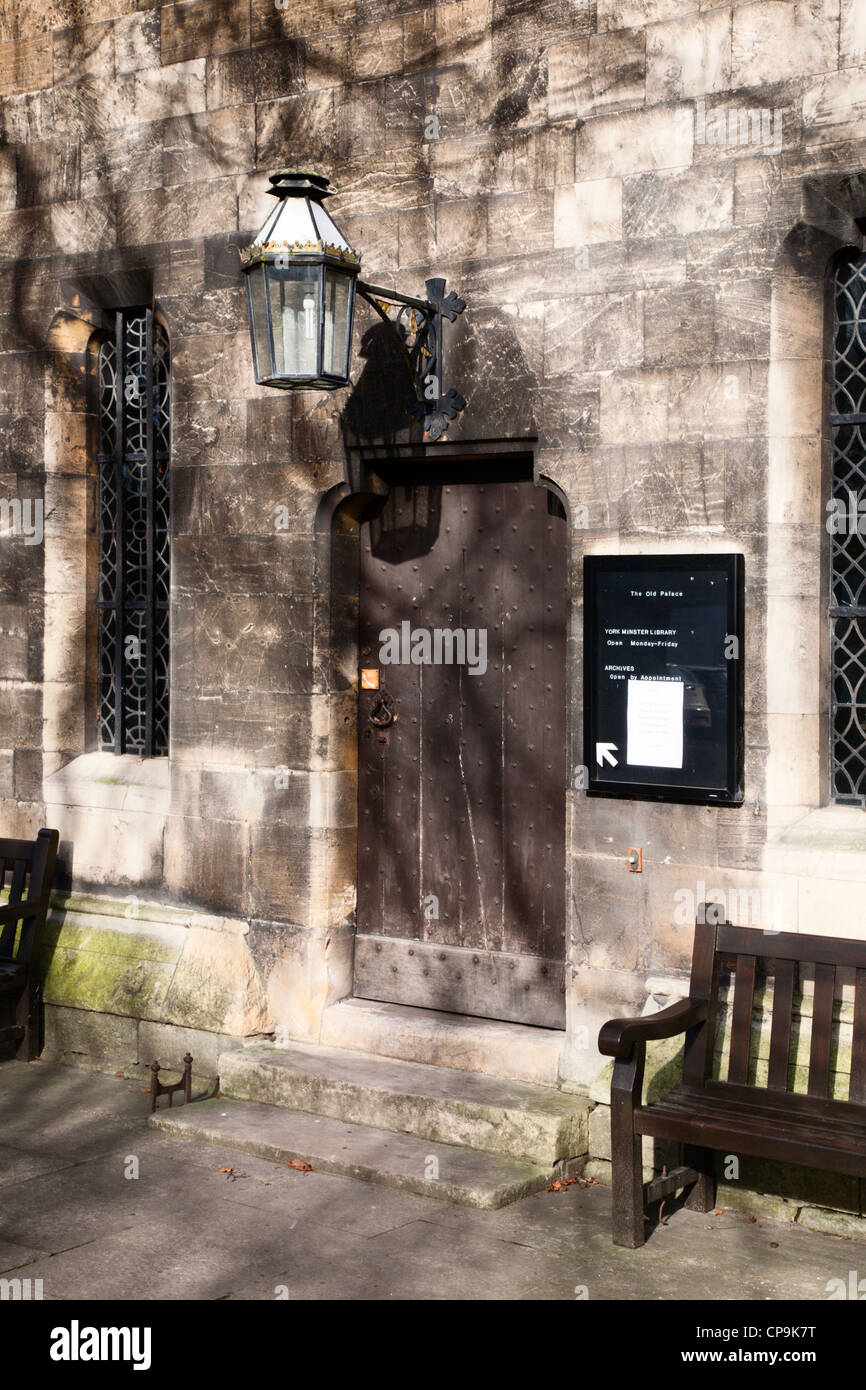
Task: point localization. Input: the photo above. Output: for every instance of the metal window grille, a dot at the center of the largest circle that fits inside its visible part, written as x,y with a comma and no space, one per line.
134,403
847,544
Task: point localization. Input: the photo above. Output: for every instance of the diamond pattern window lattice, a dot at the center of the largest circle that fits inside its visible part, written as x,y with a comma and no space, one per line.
134,412
847,541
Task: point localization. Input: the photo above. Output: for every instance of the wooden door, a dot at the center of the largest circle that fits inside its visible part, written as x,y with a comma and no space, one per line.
461,845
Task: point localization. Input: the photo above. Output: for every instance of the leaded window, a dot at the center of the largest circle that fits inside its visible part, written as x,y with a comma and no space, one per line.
134,401
848,533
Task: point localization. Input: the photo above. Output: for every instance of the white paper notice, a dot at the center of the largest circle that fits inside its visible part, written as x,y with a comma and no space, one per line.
655,723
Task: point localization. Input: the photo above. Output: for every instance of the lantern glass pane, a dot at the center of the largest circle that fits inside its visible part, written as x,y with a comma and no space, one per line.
337,324
294,297
259,321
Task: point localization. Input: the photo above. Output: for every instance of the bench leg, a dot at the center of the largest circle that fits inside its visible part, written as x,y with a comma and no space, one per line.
702,1196
27,1017
629,1227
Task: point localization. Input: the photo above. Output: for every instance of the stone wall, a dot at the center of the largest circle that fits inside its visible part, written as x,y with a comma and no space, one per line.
646,315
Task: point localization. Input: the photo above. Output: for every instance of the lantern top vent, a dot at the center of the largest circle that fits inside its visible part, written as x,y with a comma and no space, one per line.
300,183
299,227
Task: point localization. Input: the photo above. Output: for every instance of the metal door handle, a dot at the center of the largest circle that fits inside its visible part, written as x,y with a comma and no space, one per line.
381,719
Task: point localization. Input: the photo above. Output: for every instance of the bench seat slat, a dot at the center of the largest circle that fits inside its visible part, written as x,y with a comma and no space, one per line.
851,1129
722,1132
792,1138
820,1107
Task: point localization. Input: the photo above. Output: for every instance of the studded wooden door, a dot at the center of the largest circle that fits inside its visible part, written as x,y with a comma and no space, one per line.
461,845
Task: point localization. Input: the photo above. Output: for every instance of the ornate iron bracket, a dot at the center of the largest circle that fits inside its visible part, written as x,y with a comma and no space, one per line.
417,329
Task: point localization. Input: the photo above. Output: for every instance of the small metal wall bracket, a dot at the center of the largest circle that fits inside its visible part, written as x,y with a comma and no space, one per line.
417,327
157,1088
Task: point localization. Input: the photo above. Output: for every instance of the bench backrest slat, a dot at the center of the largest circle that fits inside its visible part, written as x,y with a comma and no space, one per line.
698,1047
825,950
857,1089
780,1034
822,1023
741,1028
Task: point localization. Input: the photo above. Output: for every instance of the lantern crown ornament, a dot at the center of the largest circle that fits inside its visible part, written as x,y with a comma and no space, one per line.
302,278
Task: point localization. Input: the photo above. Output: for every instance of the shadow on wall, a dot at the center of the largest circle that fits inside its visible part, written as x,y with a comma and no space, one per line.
484,361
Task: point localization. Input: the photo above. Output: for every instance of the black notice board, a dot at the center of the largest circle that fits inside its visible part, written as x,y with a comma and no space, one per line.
663,677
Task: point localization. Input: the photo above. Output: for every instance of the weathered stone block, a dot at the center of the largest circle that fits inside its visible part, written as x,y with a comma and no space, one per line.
136,41
588,213
772,42
689,57
83,50
25,65
592,333
833,108
13,641
169,92
166,214
215,986
168,1043
229,79
77,1035
311,119
614,146
742,319
206,862
196,28
679,202
306,17
678,325
208,145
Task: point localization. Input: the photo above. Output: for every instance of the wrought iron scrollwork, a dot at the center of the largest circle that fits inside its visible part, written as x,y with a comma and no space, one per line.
133,591
417,327
848,533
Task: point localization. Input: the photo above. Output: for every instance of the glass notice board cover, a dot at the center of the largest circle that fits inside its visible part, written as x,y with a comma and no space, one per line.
663,677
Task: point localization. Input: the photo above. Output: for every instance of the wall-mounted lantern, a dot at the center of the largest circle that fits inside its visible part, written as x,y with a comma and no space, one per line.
302,277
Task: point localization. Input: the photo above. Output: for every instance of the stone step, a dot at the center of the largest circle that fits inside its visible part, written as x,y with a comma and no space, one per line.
445,1040
443,1171
436,1104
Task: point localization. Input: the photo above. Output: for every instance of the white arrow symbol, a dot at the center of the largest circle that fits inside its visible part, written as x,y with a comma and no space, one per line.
604,753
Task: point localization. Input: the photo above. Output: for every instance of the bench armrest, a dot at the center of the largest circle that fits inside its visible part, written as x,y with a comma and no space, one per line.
619,1035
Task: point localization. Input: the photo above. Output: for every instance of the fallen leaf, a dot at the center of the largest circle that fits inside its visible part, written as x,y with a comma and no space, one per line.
299,1164
774,1245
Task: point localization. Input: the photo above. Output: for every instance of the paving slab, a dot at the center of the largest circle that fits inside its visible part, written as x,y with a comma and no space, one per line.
15,1256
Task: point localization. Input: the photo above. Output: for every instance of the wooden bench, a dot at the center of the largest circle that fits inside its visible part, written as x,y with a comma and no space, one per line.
29,867
737,1115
